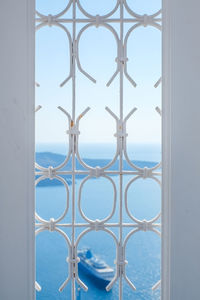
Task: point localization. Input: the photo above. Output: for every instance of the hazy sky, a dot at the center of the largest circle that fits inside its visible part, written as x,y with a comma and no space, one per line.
97,55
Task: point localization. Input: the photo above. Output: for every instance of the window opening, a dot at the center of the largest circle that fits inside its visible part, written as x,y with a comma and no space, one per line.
97,198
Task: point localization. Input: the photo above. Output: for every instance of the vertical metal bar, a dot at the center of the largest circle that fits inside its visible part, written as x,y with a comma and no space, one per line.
73,291
74,63
121,147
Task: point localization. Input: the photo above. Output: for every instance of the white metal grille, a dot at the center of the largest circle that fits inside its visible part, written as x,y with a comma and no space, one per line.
73,132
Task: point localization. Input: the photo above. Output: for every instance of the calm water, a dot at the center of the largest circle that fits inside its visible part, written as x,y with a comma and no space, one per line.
143,248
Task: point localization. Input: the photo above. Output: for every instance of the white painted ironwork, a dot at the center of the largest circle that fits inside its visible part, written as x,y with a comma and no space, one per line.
121,134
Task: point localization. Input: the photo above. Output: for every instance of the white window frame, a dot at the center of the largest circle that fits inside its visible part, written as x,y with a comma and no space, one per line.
181,148
17,54
181,144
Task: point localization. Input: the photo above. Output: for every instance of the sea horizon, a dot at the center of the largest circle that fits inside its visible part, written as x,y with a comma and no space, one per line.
136,151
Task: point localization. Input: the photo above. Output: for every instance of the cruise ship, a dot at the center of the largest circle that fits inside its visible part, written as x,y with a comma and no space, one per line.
95,267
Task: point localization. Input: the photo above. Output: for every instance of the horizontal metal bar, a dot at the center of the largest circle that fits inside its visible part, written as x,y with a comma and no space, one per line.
77,172
128,20
87,225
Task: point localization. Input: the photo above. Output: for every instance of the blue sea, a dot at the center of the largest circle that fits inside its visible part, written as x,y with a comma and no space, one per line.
143,251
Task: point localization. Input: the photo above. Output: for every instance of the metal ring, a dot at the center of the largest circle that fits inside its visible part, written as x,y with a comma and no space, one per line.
44,221
134,14
57,15
102,221
94,17
126,201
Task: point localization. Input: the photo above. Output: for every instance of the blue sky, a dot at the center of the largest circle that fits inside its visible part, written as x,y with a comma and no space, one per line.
97,56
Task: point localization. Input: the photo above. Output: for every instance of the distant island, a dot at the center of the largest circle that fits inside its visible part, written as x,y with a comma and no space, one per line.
46,159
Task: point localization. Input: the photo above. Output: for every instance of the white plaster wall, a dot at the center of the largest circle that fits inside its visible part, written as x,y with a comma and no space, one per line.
185,150
16,150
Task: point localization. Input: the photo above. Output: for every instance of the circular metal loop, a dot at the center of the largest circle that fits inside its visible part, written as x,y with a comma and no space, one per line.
61,232
107,26
41,25
90,230
44,221
139,222
93,16
56,15
86,166
102,221
134,27
133,165
134,14
86,231
132,232
62,165
42,229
